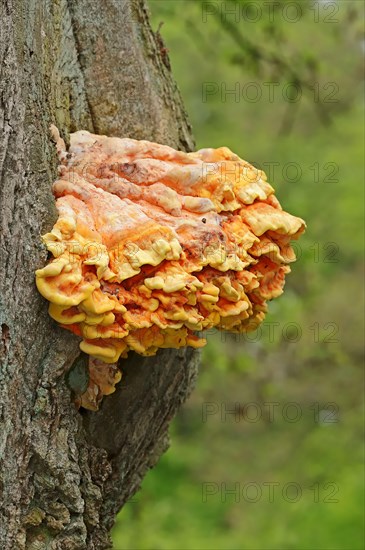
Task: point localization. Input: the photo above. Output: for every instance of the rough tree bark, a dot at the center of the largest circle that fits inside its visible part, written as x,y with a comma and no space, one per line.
80,64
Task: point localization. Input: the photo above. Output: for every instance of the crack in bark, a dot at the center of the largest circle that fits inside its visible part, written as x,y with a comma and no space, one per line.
79,58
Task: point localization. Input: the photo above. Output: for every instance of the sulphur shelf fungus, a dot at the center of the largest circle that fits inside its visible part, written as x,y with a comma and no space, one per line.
154,245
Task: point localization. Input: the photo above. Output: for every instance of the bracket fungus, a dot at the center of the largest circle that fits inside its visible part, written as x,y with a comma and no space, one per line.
154,245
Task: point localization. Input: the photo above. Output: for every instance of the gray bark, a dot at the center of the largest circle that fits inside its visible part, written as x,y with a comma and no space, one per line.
80,64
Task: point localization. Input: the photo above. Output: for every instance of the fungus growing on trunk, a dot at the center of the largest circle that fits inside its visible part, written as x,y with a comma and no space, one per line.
153,245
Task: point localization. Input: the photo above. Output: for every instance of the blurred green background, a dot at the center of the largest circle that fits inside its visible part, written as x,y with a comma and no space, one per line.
285,471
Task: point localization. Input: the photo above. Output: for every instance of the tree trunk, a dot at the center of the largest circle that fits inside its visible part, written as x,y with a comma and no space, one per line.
80,64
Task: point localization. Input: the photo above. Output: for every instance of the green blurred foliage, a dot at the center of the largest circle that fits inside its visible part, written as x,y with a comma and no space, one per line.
309,351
